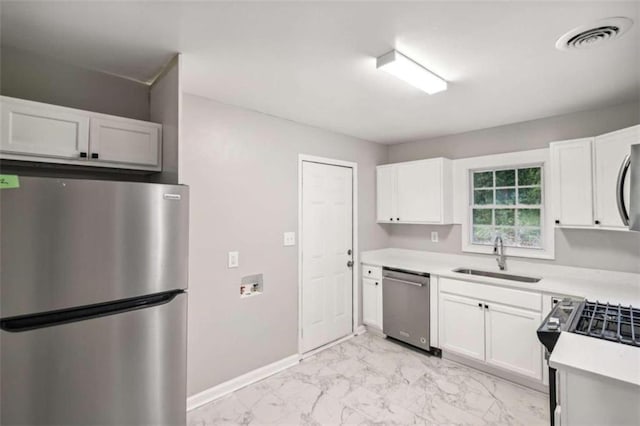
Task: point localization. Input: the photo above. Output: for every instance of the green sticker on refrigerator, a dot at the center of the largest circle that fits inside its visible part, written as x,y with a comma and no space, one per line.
9,181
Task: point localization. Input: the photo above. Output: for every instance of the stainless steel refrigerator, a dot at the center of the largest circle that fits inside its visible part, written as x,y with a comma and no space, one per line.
92,286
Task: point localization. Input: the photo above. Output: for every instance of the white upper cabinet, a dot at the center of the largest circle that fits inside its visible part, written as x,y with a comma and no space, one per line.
31,128
34,131
386,194
125,142
609,152
415,192
572,190
584,179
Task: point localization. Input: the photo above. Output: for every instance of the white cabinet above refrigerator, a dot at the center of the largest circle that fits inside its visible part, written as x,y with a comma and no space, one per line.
44,133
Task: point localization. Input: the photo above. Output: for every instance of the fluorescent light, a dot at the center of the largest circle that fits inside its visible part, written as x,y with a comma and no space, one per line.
413,73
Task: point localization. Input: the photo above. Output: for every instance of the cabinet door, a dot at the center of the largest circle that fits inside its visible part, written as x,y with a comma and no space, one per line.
571,170
371,303
126,143
34,129
511,340
462,325
419,188
385,197
609,151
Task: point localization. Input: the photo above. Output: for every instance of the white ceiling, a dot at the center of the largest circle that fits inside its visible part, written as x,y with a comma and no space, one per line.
315,62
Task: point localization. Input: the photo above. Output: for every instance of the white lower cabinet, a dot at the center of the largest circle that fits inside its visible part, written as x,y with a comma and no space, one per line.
511,341
461,325
486,324
372,302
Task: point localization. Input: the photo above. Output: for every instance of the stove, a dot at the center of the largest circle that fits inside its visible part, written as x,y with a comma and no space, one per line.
609,322
615,323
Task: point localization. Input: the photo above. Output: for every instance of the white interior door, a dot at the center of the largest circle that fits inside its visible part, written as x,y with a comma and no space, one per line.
327,231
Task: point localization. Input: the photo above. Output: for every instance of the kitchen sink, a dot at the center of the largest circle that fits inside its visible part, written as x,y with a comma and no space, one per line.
500,275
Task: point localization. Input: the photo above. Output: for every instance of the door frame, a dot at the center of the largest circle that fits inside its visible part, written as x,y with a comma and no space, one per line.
354,237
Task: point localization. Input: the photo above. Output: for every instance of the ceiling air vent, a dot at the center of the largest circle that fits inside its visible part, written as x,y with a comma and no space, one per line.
594,34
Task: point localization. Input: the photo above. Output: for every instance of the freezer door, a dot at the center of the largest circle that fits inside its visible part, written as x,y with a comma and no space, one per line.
72,242
122,369
634,199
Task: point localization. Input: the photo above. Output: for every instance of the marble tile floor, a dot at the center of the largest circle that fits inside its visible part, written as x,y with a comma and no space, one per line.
369,380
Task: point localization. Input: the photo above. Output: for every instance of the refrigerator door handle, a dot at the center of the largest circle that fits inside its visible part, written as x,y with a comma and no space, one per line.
622,174
48,319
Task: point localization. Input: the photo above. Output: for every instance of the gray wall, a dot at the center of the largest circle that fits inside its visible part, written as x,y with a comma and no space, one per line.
609,250
165,100
28,76
242,169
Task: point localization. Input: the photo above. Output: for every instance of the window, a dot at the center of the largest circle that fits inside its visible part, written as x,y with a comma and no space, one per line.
507,202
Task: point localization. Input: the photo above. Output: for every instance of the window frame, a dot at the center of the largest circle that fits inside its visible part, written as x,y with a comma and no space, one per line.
515,207
462,199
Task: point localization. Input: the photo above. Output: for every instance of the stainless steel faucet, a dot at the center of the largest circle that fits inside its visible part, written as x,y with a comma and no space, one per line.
498,250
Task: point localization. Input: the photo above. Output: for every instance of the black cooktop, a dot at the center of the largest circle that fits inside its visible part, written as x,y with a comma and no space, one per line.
616,323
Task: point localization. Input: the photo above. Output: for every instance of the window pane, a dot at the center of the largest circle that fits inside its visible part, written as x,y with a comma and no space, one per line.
482,234
530,176
483,196
529,196
482,217
505,217
508,235
529,217
529,237
483,179
506,196
505,178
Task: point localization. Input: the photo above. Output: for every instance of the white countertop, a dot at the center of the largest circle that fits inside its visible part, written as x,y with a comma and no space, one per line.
593,284
613,360
616,361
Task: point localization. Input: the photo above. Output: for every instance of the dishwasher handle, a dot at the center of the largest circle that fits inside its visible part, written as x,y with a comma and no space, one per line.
403,281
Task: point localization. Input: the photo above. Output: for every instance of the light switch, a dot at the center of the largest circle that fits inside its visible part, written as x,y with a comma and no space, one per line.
234,259
434,236
289,238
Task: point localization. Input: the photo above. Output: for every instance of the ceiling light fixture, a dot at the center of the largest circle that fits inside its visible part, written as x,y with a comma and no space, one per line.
410,71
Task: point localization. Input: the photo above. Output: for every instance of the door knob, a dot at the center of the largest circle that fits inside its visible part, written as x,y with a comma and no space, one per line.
350,263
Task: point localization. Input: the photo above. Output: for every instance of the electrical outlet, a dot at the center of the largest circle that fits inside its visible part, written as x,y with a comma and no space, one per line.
289,238
434,236
234,259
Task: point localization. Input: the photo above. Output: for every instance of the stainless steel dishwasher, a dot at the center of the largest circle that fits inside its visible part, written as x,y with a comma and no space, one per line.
406,306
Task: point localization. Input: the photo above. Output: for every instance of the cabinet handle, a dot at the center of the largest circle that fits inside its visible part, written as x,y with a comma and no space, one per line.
376,283
391,219
94,155
480,305
597,222
369,272
397,218
486,306
557,222
83,155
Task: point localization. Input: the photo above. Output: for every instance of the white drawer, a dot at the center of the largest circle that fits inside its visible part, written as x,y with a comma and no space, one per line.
493,293
373,272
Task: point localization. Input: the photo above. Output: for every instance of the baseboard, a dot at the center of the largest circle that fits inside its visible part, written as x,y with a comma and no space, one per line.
360,330
495,371
229,386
